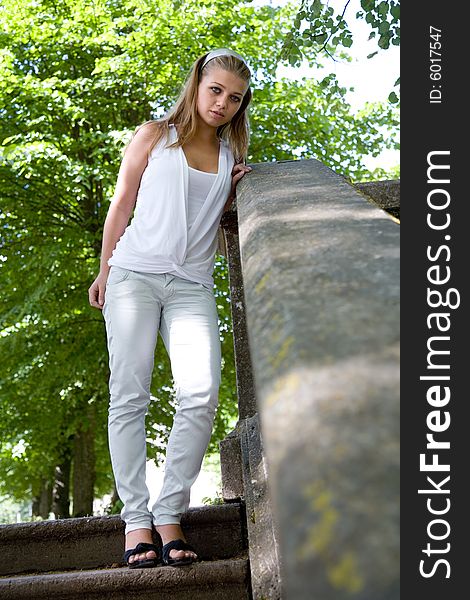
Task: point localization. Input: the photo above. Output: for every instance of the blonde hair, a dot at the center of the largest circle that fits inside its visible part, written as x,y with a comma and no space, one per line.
183,113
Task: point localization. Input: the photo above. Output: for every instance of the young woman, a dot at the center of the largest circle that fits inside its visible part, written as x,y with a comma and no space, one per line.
180,173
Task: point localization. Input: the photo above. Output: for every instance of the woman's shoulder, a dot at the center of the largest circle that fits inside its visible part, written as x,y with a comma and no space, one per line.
159,136
149,127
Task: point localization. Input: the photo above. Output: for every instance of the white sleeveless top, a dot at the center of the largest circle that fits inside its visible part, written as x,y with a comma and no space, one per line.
176,217
199,185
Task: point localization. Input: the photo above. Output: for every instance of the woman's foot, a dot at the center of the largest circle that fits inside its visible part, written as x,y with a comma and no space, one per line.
174,532
135,537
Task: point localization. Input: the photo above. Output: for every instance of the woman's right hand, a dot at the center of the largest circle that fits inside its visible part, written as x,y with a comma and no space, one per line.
97,290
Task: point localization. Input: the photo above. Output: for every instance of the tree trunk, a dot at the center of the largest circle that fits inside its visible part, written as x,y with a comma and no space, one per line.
84,464
35,507
45,500
115,504
61,489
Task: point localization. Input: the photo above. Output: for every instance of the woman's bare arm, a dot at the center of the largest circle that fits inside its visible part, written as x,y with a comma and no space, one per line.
130,173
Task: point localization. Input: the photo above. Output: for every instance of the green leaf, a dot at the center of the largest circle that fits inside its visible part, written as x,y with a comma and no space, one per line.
393,98
368,4
384,27
395,11
382,8
315,8
384,41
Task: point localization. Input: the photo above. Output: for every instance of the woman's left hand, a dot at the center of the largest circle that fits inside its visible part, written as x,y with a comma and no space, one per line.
238,172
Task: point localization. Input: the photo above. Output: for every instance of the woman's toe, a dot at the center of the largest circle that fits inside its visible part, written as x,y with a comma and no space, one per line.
146,555
182,554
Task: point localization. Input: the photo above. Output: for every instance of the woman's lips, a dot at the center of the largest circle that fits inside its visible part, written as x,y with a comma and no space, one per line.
217,115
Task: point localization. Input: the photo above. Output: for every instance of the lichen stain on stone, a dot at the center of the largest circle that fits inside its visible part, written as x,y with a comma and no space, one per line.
320,536
340,451
282,353
262,282
344,574
287,385
276,331
320,542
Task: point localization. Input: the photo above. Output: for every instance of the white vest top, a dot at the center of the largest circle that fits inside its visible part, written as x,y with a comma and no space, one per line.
160,239
199,185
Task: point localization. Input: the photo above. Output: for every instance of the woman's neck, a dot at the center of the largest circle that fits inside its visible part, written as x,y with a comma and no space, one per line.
205,136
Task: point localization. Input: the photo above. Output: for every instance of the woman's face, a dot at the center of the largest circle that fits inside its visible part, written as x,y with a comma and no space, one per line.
220,94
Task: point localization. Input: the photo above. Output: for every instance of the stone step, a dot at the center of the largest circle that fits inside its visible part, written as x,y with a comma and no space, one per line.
216,532
204,580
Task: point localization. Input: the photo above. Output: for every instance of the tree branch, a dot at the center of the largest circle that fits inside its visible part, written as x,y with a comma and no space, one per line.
335,30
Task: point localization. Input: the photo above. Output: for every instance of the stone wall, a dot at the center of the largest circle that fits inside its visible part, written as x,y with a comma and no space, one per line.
320,268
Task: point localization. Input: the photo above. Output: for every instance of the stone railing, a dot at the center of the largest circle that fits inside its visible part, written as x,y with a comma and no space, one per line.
314,277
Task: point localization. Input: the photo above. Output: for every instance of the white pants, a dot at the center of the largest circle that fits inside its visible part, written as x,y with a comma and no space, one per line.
137,306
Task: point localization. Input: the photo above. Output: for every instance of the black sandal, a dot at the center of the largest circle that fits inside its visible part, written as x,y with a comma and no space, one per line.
140,549
177,545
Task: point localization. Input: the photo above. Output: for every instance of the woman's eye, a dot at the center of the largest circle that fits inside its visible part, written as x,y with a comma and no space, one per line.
217,90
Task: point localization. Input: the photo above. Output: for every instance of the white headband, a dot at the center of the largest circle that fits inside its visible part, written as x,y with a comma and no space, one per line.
222,52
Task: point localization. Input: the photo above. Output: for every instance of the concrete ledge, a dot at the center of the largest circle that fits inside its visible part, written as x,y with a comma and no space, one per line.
386,194
263,550
231,467
218,580
90,542
320,268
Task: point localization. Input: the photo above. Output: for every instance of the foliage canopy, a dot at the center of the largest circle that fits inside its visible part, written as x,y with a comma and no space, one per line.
76,77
